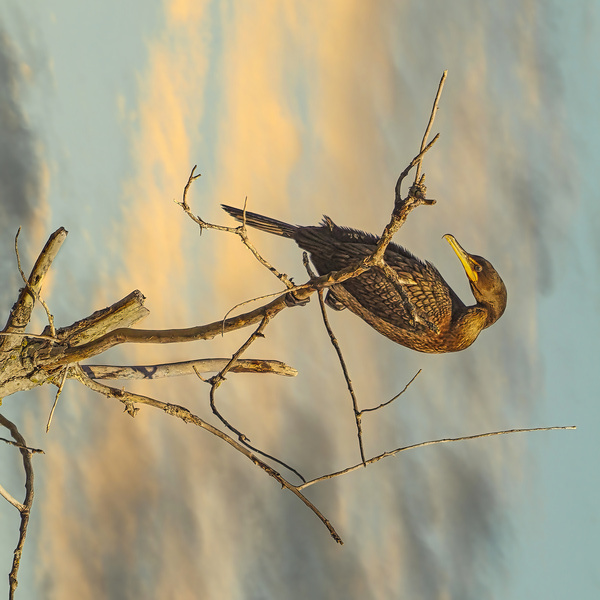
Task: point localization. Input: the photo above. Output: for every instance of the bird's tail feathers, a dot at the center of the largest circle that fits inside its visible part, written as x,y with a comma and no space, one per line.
261,222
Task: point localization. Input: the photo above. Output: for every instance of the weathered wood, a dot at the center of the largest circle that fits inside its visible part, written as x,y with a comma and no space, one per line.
124,313
20,313
29,360
188,367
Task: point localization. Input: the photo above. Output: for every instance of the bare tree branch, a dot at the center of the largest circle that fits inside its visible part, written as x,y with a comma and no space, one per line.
180,412
58,356
422,445
21,311
188,367
7,496
36,294
364,410
58,393
338,350
431,120
24,508
17,445
123,313
241,231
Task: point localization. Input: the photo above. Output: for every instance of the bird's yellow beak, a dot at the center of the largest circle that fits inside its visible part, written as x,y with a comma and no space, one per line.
471,266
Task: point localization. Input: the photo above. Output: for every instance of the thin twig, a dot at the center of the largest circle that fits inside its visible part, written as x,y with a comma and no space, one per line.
17,445
58,393
11,499
364,410
216,381
422,445
240,231
338,350
415,161
431,119
243,233
191,178
245,302
26,506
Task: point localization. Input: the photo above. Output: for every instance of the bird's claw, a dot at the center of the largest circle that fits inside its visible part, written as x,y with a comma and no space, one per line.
292,300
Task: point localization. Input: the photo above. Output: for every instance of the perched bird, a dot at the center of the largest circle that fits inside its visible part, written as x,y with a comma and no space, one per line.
443,322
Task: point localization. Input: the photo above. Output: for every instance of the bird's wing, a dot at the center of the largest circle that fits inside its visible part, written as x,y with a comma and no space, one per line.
334,248
425,288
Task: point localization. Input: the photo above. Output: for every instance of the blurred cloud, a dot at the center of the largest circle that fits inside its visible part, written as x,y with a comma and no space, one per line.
23,173
165,121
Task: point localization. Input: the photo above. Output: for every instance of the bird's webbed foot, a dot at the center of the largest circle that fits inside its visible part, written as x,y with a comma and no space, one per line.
333,301
292,300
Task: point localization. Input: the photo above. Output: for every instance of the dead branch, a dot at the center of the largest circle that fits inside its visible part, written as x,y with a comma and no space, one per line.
216,381
180,412
61,355
25,507
188,367
21,311
434,109
124,313
57,396
241,231
338,350
35,294
7,496
17,445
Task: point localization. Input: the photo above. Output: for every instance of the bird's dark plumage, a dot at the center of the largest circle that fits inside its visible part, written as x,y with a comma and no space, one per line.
443,323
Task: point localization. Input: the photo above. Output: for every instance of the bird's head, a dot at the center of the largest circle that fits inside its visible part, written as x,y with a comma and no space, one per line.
487,286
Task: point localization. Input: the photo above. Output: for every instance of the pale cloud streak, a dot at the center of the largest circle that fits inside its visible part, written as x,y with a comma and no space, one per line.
23,170
163,127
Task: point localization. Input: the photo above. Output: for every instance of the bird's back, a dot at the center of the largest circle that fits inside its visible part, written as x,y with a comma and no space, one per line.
375,298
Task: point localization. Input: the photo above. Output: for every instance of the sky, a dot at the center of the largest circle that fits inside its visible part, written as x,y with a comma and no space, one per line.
308,109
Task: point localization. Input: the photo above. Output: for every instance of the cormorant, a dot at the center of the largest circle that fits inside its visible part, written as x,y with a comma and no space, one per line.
443,323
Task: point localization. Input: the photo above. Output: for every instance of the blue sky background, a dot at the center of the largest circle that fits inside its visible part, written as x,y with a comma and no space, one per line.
309,110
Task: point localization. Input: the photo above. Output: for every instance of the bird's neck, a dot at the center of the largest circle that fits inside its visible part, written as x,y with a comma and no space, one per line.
492,312
470,321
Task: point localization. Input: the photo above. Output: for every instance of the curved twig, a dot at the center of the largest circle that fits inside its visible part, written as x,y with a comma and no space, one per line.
422,445
434,109
374,408
24,508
